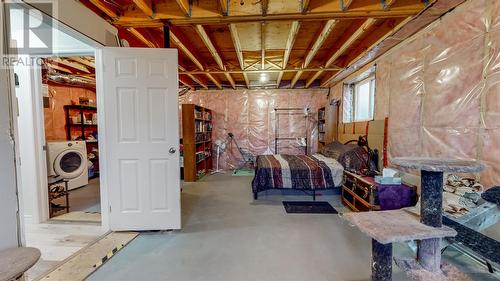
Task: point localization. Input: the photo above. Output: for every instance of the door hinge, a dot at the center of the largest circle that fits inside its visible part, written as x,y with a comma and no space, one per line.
110,208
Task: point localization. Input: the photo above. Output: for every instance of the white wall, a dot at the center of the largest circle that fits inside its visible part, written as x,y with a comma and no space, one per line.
29,184
75,15
8,198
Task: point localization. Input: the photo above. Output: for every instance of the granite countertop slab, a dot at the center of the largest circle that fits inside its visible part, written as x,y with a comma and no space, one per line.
396,226
438,164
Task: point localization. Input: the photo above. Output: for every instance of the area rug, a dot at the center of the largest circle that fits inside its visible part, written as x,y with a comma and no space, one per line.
308,207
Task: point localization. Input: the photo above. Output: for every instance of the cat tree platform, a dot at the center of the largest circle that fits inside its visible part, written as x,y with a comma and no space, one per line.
387,227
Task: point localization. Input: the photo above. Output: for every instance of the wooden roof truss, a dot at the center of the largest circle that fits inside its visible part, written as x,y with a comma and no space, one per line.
234,44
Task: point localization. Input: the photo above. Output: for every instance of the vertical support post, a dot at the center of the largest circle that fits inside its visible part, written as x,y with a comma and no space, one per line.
166,36
381,261
429,254
431,204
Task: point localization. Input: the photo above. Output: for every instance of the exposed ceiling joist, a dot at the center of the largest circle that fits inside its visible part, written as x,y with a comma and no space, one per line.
262,71
278,80
142,38
252,65
304,6
146,6
185,83
224,7
59,68
215,54
371,47
386,4
329,25
83,61
230,79
366,25
273,64
186,50
313,78
311,16
239,52
247,81
111,11
295,78
71,64
185,6
327,28
237,45
264,5
216,83
292,35
263,45
210,46
194,78
344,4
389,33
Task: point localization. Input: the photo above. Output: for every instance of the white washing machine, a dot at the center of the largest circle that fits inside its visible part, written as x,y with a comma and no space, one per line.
68,160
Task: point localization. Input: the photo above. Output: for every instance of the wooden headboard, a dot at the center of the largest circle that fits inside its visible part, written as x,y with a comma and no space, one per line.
377,136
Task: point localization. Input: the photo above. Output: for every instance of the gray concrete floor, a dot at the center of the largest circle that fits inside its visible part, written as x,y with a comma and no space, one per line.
228,236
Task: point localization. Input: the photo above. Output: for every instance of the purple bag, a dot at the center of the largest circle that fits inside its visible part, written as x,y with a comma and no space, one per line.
392,197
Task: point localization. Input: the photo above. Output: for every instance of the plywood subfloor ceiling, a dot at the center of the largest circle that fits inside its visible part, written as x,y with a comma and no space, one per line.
261,43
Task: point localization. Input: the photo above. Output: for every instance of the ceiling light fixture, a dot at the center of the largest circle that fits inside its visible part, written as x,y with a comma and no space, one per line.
263,77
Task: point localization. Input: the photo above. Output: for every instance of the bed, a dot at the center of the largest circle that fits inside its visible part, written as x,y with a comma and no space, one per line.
301,172
320,171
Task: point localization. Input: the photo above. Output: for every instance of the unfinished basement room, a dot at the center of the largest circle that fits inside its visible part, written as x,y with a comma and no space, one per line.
250,140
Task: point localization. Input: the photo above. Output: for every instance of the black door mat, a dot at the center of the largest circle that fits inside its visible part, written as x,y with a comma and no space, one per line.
308,207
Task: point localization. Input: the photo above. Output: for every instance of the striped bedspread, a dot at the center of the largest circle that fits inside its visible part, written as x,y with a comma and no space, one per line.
295,171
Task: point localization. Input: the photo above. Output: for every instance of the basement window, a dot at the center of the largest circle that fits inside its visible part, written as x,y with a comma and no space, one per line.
359,99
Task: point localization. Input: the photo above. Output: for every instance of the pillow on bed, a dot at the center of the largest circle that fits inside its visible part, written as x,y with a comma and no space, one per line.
335,149
352,156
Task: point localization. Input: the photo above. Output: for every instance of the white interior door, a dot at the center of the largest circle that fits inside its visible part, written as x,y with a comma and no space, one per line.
141,138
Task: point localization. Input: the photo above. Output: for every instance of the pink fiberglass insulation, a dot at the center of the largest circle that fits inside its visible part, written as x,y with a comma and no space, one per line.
249,115
444,89
441,89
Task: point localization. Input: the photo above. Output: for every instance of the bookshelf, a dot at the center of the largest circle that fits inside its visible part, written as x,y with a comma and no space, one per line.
321,127
197,141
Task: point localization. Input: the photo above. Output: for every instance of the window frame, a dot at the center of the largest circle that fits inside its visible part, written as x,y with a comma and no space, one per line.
371,106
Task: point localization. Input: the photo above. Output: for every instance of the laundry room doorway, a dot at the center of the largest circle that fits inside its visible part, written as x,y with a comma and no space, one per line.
71,138
58,113
57,126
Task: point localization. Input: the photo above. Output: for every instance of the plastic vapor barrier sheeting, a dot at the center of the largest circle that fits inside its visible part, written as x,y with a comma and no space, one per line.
441,90
249,115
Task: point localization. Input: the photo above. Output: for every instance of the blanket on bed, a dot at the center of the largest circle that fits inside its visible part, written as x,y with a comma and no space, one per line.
292,171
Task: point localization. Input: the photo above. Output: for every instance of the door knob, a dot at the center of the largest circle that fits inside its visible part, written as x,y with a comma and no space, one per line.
171,150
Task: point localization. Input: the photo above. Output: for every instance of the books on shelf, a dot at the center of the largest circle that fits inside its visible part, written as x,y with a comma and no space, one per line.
321,137
321,114
207,115
198,114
